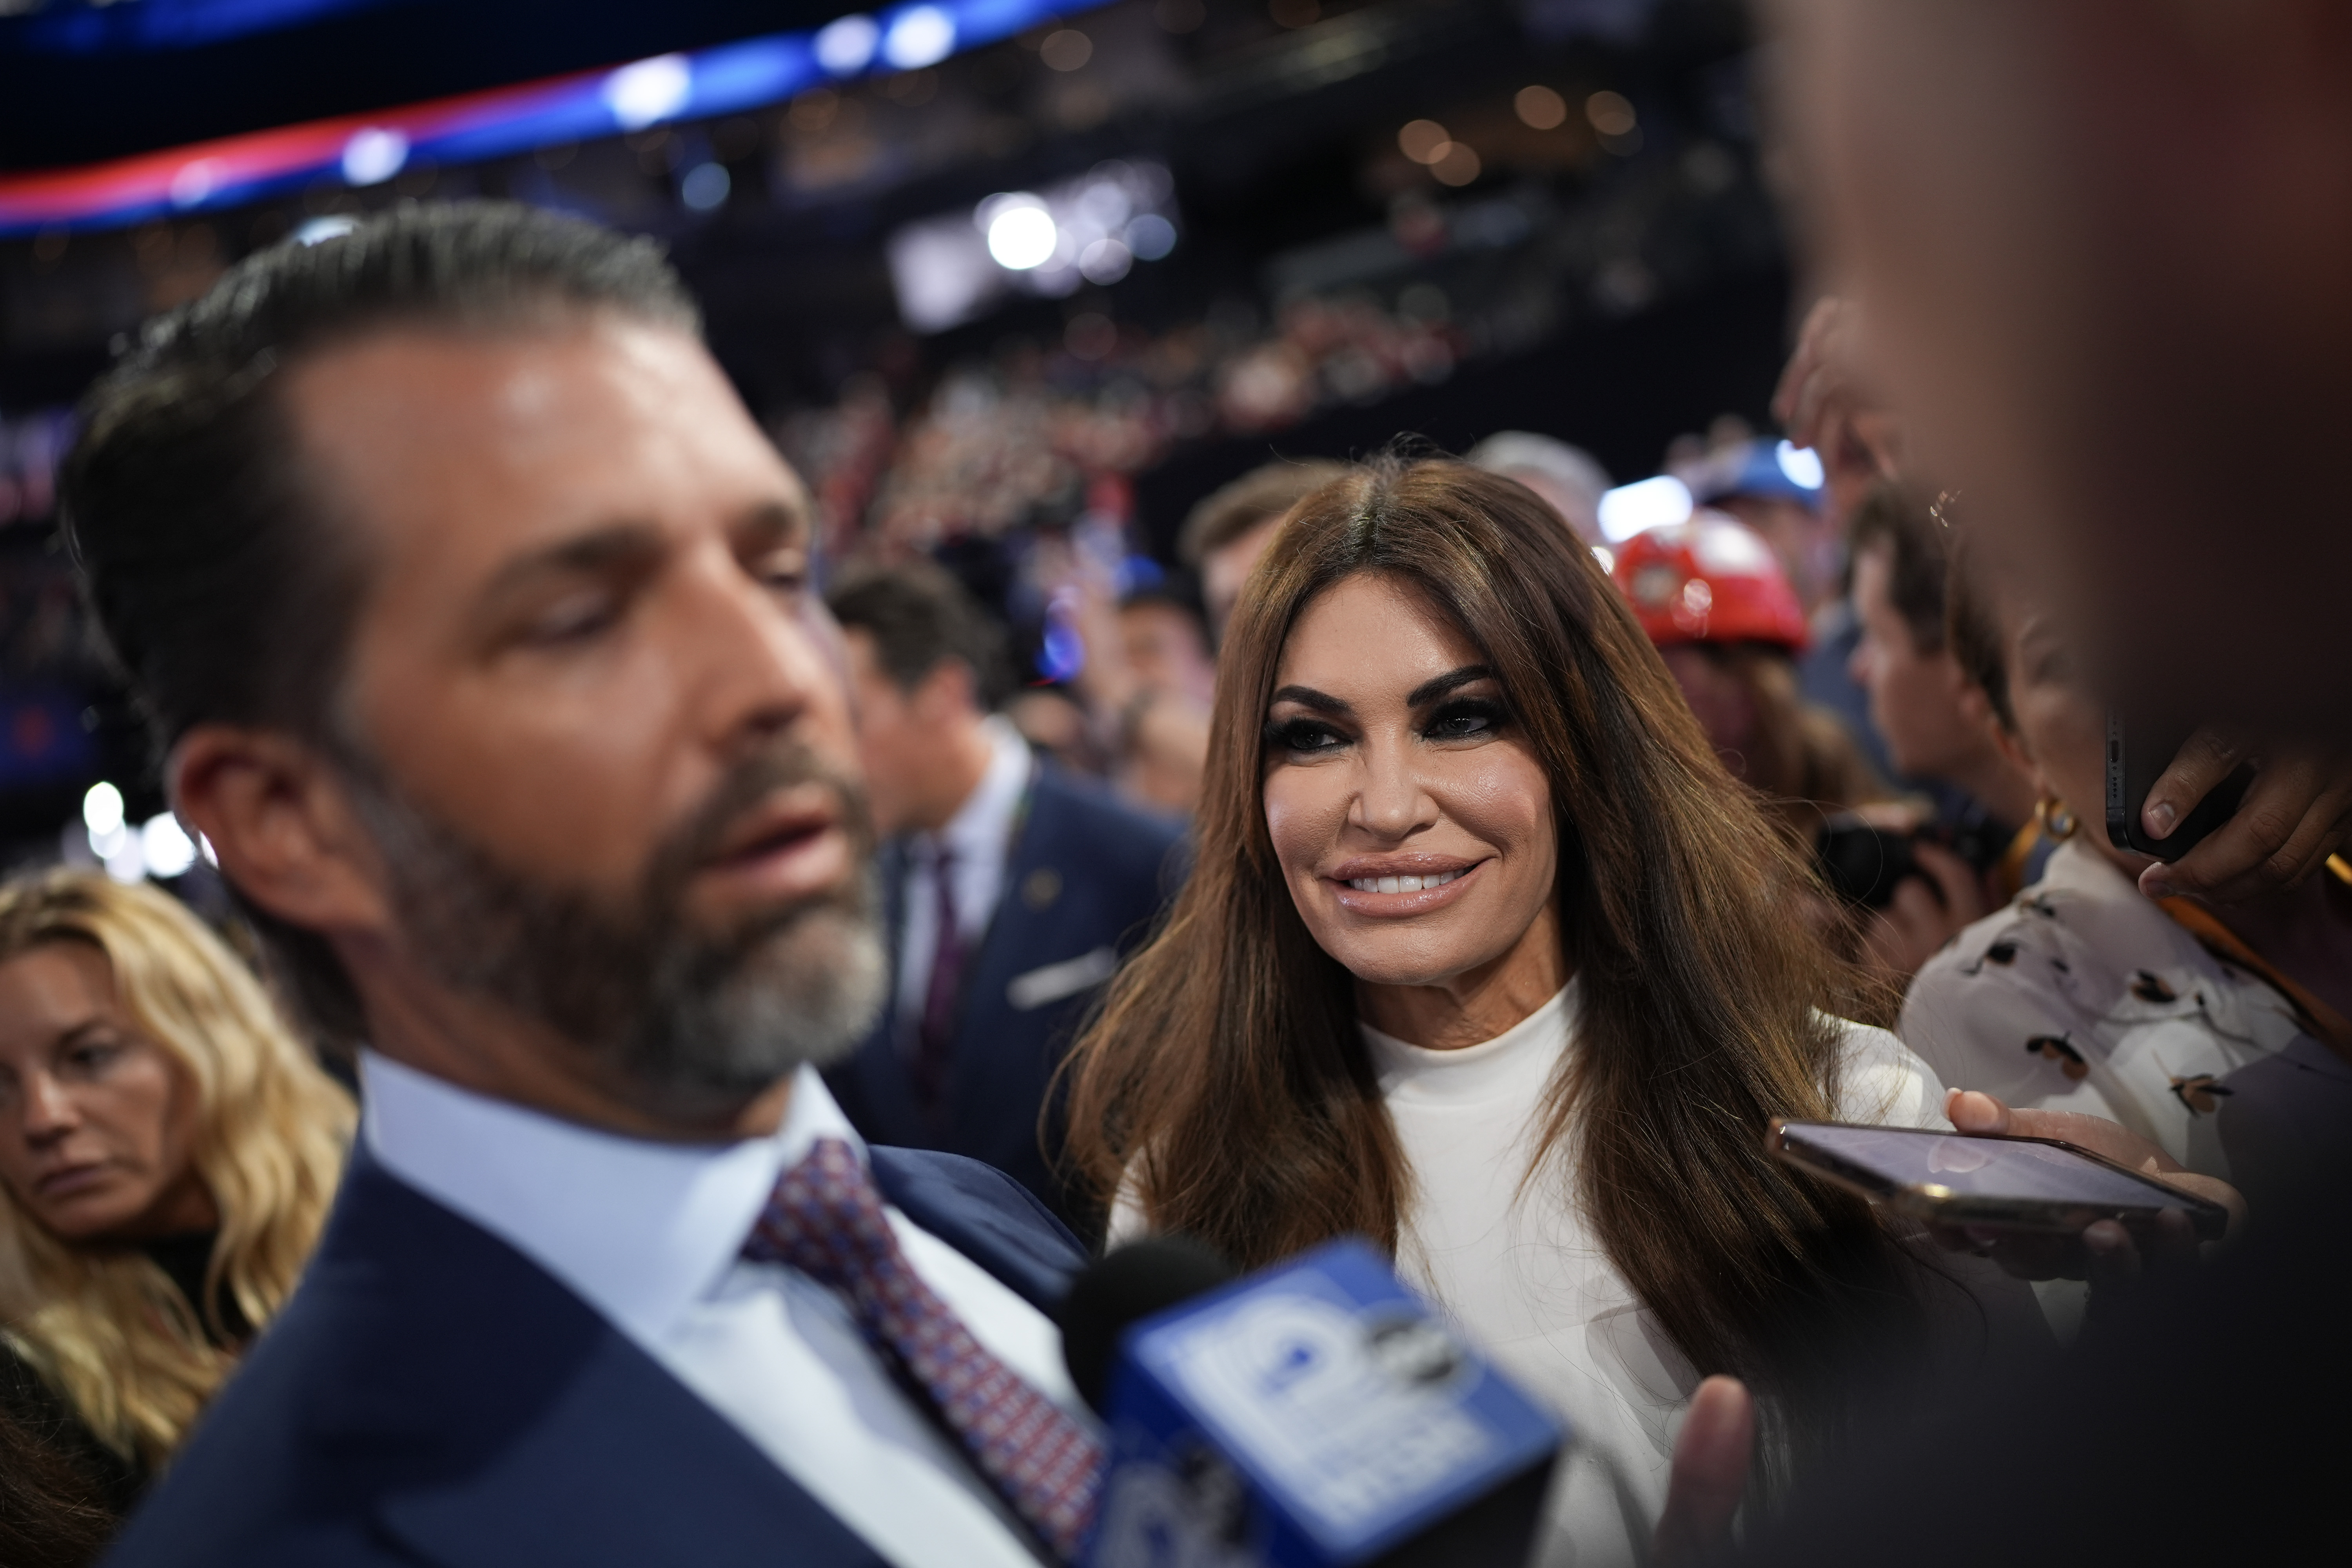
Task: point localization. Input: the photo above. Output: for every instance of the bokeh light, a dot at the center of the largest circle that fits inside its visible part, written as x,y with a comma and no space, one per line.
1423,141
1540,108
1021,233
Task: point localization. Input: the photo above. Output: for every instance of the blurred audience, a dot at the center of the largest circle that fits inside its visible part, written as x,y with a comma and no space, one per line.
1166,643
1979,844
1227,531
1011,891
1156,679
1136,708
1788,494
2224,1034
168,1153
1142,687
1753,481
996,443
1571,480
1715,600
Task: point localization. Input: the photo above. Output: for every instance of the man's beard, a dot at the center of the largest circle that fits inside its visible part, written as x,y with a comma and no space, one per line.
699,1021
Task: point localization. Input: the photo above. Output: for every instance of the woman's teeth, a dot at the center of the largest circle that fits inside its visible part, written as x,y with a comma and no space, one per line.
1400,884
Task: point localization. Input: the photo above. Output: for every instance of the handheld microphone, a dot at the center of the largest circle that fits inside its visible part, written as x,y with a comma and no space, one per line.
1315,1414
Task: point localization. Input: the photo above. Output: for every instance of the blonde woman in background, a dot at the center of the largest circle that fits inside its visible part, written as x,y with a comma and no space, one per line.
168,1154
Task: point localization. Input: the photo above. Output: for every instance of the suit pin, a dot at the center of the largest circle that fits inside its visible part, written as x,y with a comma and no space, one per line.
1041,888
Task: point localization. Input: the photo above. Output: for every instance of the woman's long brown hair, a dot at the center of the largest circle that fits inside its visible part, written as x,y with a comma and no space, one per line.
1225,1087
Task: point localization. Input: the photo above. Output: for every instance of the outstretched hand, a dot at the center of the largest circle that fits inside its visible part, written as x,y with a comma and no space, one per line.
2105,1253
1712,1454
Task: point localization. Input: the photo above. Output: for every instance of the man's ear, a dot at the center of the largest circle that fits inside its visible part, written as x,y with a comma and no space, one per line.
281,824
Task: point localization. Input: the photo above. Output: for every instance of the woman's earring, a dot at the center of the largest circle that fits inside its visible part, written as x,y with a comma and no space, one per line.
2056,821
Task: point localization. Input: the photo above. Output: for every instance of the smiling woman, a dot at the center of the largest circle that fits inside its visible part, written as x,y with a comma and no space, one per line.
1486,956
168,1151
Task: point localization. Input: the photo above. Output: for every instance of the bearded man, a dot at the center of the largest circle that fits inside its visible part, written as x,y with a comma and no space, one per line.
476,618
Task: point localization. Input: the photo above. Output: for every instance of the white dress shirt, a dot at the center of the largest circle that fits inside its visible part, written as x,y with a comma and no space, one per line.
980,838
649,1235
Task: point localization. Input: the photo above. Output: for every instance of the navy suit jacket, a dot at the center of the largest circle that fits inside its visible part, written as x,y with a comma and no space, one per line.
431,1396
1086,877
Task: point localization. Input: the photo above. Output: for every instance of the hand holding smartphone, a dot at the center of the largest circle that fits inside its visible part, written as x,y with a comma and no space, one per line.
2138,755
2036,1185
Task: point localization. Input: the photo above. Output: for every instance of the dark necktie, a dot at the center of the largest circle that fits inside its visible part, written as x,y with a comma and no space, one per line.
825,1219
935,1035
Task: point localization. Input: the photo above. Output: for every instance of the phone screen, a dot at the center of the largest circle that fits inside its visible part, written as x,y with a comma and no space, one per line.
2003,1168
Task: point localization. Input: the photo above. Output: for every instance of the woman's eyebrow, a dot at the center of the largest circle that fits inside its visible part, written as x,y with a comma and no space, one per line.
1308,697
1432,689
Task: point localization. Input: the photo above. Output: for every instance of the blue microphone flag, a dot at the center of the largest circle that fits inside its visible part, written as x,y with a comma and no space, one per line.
1317,1413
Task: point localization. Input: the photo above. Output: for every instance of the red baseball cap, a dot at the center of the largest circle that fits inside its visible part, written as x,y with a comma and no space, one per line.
1710,579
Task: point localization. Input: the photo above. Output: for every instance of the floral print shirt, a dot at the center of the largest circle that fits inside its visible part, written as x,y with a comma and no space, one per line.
2084,995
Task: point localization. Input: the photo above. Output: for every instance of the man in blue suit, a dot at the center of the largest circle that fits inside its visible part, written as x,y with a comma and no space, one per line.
1009,890
476,614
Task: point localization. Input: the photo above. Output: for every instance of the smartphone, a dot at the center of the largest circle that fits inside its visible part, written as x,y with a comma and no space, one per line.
2014,1183
2138,754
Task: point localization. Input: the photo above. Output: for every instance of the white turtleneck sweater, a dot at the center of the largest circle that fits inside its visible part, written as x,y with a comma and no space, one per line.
1514,1262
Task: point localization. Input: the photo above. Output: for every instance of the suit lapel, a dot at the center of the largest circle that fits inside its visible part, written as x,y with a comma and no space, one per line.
986,1216
891,867
512,1424
874,1083
1003,930
625,1466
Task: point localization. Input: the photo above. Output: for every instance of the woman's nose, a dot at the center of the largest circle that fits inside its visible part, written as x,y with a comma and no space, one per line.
1391,801
49,1110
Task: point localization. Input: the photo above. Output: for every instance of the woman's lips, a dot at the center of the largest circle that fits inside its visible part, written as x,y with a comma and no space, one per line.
1398,894
72,1179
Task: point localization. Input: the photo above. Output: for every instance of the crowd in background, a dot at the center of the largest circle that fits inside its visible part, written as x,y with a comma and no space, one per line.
1033,830
1090,783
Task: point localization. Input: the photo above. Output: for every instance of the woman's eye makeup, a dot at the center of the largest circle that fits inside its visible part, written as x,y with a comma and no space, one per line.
1466,719
1455,719
1302,736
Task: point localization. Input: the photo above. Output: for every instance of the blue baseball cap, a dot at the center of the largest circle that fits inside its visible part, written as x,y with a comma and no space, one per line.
1765,468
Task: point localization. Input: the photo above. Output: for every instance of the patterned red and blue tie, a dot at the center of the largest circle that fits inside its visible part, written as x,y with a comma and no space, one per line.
825,1219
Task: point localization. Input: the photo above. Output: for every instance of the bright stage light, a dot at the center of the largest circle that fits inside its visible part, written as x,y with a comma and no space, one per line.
1021,233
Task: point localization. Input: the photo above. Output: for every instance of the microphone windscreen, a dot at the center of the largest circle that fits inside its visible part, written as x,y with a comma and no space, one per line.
1124,1288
